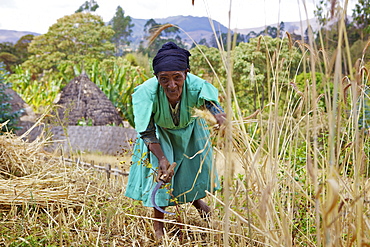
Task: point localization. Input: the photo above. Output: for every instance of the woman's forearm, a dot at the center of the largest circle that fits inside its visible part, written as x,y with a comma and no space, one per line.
156,149
163,164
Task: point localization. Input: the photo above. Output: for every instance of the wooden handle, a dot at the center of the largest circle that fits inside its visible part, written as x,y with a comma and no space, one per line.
172,167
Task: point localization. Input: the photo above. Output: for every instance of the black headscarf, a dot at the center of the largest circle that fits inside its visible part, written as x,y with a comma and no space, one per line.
171,58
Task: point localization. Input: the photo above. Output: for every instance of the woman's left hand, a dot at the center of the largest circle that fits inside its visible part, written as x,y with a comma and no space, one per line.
220,118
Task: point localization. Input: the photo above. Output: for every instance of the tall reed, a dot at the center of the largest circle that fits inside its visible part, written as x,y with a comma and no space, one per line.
306,181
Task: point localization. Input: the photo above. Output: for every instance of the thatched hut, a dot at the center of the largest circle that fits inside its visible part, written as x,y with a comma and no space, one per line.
27,117
82,100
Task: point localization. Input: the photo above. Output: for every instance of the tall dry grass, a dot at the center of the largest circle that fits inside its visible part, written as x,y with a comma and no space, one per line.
282,201
305,179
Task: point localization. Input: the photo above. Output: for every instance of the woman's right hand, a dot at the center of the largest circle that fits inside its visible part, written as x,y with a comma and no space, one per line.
163,173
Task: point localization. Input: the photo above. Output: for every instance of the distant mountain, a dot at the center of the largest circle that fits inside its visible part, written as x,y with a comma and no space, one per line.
195,27
297,27
13,36
199,27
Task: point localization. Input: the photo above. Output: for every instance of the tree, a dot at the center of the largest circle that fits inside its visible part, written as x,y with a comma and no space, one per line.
150,25
200,66
282,26
77,39
12,55
88,6
322,13
168,32
325,11
122,27
257,64
7,55
361,17
251,34
357,51
21,47
270,31
7,47
222,39
151,28
252,72
8,59
203,41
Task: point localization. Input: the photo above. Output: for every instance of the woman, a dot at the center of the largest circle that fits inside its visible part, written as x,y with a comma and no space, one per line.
169,133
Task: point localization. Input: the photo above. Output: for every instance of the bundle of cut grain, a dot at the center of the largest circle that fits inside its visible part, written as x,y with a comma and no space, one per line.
28,174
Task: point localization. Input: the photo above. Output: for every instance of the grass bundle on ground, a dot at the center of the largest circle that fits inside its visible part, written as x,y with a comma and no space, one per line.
28,174
18,158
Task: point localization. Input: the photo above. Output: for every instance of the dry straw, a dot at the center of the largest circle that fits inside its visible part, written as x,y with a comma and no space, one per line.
28,174
305,179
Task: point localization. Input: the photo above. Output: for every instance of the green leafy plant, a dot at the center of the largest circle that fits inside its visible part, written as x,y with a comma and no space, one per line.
85,122
6,113
40,93
117,78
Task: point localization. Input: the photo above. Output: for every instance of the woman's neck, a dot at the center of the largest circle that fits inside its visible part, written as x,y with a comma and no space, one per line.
174,102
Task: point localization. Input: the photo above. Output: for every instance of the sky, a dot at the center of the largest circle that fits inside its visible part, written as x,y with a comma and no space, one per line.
38,15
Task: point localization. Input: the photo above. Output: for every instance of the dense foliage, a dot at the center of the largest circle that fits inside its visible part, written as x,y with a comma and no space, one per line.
39,94
6,112
122,27
76,39
361,17
256,65
15,54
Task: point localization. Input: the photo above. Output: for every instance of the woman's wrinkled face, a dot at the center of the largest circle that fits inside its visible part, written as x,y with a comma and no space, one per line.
172,82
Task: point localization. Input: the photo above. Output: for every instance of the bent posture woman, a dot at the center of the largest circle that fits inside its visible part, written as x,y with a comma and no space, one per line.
169,133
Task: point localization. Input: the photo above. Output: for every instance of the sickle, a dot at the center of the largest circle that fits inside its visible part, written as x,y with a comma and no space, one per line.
156,188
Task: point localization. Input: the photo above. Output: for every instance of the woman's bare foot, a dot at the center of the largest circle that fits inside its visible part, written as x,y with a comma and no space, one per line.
203,209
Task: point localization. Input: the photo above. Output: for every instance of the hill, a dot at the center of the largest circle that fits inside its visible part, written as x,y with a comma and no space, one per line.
199,27
195,27
296,27
191,26
13,36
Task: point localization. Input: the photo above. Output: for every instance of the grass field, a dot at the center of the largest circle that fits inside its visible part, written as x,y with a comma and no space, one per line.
296,173
46,201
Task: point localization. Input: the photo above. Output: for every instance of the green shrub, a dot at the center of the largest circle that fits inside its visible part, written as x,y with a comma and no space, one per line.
5,107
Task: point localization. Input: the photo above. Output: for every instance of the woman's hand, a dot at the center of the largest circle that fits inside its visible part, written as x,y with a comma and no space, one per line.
220,127
163,173
220,118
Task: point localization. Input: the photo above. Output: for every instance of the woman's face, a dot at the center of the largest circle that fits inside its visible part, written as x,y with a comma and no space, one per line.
172,82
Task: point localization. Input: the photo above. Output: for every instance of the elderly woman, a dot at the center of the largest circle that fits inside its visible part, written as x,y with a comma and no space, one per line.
169,133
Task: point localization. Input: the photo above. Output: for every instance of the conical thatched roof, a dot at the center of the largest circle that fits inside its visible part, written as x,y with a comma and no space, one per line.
81,99
27,117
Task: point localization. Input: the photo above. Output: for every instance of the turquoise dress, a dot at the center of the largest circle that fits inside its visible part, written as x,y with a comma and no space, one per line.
188,144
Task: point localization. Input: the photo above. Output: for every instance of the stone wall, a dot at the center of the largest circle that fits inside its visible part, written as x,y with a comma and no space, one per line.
102,139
